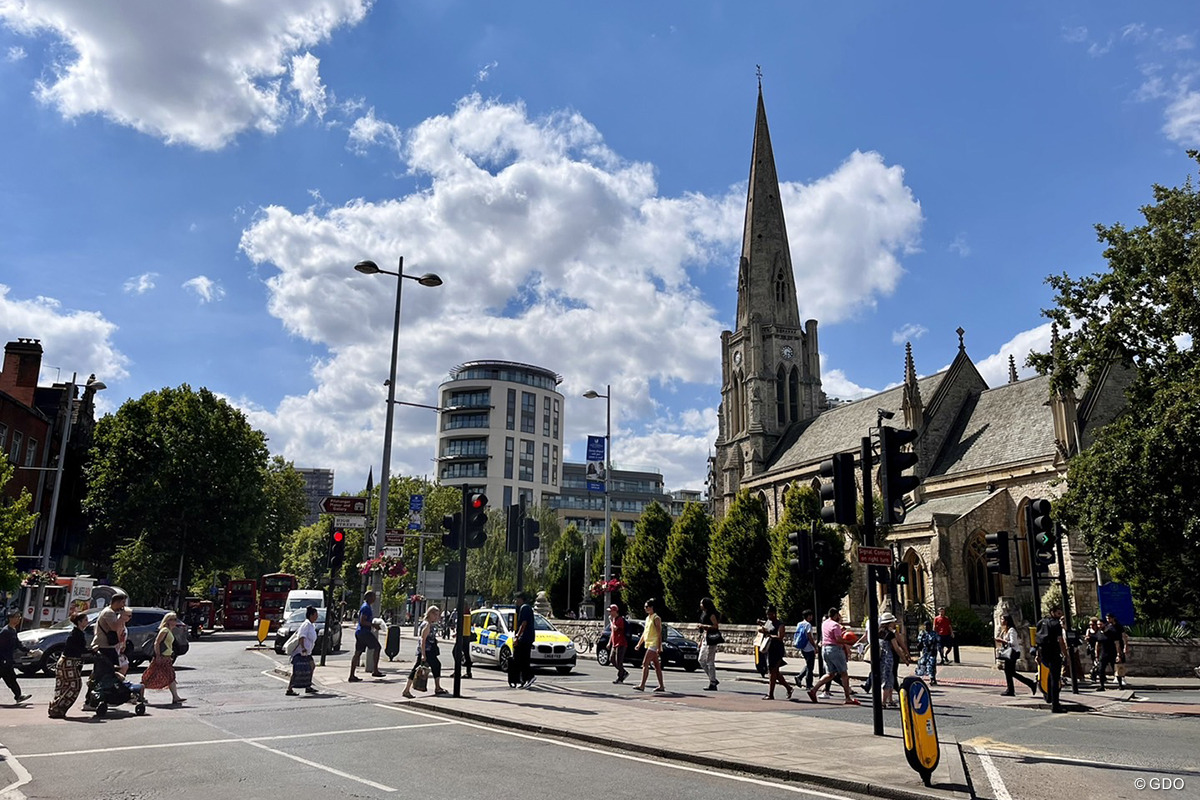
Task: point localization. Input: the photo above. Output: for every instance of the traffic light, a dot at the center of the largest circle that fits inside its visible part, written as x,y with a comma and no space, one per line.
892,463
337,550
453,525
512,529
822,554
996,552
475,520
450,579
1041,532
839,487
532,528
800,550
883,575
901,570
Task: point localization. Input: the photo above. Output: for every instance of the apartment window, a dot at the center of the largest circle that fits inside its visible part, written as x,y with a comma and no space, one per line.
478,398
511,420
15,454
528,412
467,421
508,457
31,453
3,437
468,470
508,496
554,464
546,462
555,433
546,417
466,447
526,463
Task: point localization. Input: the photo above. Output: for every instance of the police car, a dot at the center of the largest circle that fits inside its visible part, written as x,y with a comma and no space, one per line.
493,627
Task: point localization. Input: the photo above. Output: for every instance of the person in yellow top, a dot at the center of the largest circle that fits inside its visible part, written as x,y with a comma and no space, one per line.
651,641
161,672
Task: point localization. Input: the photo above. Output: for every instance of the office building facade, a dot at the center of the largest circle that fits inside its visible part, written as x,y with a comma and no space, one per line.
318,484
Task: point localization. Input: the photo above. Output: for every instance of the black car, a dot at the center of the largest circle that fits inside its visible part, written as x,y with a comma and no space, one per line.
289,626
677,650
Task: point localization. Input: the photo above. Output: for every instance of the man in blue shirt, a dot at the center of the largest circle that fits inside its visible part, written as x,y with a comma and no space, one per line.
522,672
805,641
365,638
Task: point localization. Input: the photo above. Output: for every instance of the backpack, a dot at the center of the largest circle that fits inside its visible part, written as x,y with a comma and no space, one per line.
801,639
1048,630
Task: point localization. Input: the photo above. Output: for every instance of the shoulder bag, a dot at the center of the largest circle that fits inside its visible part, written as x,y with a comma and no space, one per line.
292,644
714,638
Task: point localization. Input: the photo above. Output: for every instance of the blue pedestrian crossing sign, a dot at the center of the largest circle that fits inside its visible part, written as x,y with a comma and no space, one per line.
920,730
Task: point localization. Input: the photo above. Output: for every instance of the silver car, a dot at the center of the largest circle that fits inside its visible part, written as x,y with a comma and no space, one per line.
142,630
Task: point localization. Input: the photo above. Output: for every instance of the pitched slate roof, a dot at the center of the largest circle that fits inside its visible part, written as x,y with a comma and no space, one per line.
840,429
957,506
1000,426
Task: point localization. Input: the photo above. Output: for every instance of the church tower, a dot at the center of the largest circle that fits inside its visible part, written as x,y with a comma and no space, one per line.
770,365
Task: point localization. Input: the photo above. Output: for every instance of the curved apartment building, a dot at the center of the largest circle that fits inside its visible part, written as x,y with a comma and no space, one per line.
500,430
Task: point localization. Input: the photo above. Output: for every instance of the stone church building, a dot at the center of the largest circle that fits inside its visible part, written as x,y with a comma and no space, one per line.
983,452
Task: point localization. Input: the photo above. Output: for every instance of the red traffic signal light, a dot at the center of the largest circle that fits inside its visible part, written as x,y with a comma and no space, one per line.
475,519
339,536
337,549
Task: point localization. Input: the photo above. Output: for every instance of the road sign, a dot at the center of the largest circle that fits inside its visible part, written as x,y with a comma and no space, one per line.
920,730
344,505
393,537
416,502
349,521
875,556
393,552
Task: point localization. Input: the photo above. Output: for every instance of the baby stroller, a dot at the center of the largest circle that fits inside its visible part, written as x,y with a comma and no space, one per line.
107,688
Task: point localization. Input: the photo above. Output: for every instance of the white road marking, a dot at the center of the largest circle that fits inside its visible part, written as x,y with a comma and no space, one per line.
1001,752
13,790
270,673
254,740
330,770
639,758
993,775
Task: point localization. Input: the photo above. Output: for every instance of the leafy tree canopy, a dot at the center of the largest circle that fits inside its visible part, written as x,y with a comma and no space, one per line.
564,571
684,568
788,588
284,509
16,521
639,568
737,560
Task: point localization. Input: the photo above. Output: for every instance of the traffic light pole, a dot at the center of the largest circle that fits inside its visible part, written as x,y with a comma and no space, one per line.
812,563
1066,602
462,586
868,535
329,602
521,544
1034,565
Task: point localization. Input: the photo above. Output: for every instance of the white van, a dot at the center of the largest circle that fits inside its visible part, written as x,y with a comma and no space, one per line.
302,598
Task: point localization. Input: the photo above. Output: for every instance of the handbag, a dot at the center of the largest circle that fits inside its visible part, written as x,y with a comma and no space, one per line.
421,678
292,644
1007,653
714,638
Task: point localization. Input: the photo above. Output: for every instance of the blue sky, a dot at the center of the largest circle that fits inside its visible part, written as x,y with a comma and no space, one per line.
186,186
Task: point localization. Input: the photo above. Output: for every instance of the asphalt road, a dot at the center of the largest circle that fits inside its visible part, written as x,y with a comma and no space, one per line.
239,735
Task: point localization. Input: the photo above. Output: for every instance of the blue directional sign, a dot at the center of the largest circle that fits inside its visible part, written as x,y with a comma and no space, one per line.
416,502
920,731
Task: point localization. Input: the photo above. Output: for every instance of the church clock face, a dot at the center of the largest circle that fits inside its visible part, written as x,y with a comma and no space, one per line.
788,352
737,358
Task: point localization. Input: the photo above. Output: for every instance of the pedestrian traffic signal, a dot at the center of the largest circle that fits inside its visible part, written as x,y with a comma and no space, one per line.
839,487
996,553
475,520
892,463
800,550
822,554
512,529
901,570
883,575
453,525
532,528
1041,531
337,550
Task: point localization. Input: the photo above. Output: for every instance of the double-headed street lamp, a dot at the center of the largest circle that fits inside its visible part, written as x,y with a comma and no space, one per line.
428,279
592,395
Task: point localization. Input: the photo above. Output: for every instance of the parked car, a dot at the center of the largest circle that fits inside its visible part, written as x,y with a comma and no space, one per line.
142,630
292,621
493,627
677,650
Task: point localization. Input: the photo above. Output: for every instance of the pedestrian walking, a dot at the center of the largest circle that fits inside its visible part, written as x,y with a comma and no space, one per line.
835,648
1010,653
927,661
650,642
68,674
1110,646
109,626
365,639
462,646
710,640
1092,641
805,640
1052,651
520,673
773,628
1116,631
891,653
427,653
123,620
161,672
302,660
617,642
9,644
945,632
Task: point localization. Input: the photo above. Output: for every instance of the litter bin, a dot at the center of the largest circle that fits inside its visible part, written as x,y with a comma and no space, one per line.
392,648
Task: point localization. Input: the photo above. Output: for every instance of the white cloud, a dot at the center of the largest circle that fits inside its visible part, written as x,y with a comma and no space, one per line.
73,341
1182,117
369,130
835,384
306,83
205,288
1075,35
908,333
994,368
14,54
556,252
485,71
190,73
140,284
960,245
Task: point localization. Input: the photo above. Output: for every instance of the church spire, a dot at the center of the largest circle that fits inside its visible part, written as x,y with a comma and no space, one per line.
766,286
911,403
1012,368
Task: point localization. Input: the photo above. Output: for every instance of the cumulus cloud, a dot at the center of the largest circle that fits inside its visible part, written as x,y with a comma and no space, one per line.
959,245
140,284
306,83
73,341
994,368
14,54
368,130
205,288
191,73
908,333
554,251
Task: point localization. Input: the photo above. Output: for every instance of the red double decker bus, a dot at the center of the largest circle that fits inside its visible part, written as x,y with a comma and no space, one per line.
241,603
272,592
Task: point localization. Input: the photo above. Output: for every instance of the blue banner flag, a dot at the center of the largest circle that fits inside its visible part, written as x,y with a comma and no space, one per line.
595,464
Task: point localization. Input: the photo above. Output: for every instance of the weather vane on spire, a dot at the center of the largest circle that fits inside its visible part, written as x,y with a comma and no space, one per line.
758,72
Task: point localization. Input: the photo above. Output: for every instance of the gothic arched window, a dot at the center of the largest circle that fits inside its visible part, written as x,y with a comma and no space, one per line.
780,287
913,593
1024,567
981,584
781,399
794,394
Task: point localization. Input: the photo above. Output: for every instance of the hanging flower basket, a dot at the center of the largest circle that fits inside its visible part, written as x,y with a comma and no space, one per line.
390,566
417,598
598,588
37,578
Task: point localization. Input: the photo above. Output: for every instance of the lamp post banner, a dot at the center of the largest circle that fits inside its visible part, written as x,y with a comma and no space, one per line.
595,464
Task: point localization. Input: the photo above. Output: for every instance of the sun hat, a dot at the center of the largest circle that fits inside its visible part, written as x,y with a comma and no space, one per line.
886,617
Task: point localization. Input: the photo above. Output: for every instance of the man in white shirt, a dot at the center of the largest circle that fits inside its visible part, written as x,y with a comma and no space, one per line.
302,663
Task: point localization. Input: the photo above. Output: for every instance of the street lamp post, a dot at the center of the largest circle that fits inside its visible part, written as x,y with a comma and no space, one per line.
428,279
592,395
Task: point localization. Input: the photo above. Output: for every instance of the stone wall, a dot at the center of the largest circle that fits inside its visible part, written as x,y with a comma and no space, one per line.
1163,658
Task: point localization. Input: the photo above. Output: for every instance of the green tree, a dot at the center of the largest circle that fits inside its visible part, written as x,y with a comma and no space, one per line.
787,587
16,522
639,568
284,509
737,560
144,572
184,469
684,568
1126,495
564,571
620,545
